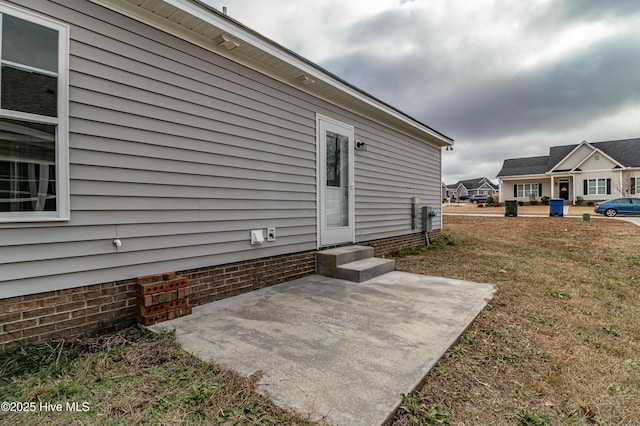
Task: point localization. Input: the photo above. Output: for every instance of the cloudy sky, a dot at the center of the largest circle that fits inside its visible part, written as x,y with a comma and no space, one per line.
504,78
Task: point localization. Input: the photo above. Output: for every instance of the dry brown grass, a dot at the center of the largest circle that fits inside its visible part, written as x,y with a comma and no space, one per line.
539,209
132,377
560,341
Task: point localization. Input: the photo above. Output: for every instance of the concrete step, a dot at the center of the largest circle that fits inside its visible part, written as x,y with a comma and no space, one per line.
365,269
327,261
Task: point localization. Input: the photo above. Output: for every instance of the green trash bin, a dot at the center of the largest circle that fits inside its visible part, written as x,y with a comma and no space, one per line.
511,208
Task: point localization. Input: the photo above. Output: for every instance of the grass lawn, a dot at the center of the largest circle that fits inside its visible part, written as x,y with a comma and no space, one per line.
540,209
133,377
558,344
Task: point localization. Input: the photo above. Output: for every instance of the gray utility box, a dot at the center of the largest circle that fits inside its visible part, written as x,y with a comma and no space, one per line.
427,219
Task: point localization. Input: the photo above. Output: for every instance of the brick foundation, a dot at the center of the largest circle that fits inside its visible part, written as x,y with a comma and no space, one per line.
385,246
107,307
219,282
80,311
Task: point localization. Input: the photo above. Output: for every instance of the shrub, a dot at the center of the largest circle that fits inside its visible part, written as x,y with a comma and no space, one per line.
579,200
590,203
521,203
533,200
544,200
490,201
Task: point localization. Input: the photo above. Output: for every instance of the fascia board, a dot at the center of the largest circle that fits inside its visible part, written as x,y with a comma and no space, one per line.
524,177
571,153
461,186
237,30
304,65
485,185
598,151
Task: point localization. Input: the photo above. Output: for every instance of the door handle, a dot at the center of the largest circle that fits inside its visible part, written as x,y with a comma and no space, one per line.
347,189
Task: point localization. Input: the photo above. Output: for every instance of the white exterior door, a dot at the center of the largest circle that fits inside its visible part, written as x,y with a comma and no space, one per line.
335,142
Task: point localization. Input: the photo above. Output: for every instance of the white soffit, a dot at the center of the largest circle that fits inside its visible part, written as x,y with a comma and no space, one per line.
201,25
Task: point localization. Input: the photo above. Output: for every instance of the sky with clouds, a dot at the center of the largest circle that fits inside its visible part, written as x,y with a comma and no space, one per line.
504,78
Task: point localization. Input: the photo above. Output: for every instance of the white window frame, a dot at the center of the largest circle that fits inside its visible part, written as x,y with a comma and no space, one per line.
61,122
597,188
525,190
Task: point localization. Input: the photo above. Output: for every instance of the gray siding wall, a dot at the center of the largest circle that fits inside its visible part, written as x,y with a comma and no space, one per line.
388,175
179,153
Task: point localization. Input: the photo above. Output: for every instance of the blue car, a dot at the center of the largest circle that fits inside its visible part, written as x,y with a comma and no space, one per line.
616,206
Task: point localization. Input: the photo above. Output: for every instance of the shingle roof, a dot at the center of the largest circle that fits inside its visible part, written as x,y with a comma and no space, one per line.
475,183
558,153
626,152
525,166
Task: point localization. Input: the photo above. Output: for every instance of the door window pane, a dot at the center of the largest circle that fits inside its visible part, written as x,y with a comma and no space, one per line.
337,161
337,170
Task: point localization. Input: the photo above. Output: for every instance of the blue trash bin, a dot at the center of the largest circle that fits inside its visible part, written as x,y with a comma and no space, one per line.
556,207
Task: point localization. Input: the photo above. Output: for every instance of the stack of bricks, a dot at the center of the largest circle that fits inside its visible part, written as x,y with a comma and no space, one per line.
162,297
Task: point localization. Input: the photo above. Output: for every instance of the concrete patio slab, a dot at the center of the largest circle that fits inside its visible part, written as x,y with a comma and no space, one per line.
333,349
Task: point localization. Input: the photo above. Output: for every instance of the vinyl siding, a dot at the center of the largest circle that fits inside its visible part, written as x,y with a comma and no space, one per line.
175,151
603,163
616,185
179,153
509,194
388,174
575,158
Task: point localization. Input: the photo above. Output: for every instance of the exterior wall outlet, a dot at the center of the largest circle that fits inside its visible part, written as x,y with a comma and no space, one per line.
271,234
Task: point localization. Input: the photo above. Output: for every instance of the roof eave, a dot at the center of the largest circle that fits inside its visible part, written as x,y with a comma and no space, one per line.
326,85
523,177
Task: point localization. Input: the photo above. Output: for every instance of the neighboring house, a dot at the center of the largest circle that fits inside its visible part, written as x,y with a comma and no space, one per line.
142,137
477,186
593,171
447,191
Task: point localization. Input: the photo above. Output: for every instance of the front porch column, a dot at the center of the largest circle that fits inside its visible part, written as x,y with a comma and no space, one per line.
553,188
623,192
